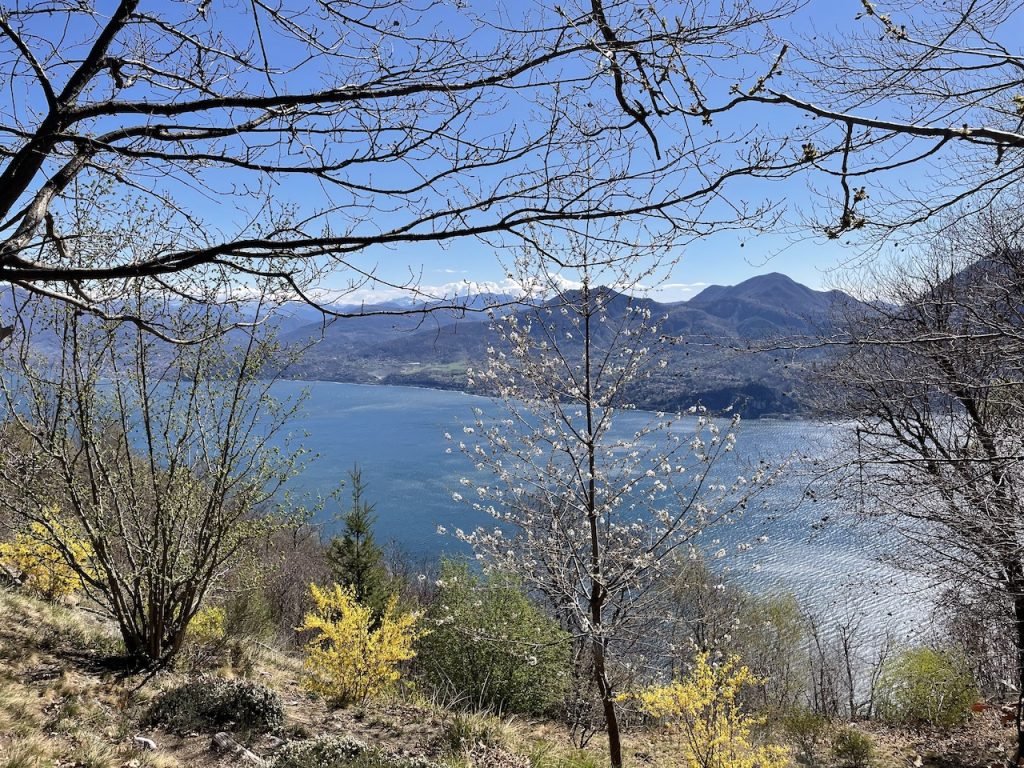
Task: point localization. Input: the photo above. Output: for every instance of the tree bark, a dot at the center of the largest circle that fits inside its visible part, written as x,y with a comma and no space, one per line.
608,704
1018,618
597,590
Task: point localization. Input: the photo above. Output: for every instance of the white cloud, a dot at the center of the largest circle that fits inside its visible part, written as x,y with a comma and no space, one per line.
682,286
378,294
676,291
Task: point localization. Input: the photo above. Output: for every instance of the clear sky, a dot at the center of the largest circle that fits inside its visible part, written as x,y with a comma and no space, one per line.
725,258
468,265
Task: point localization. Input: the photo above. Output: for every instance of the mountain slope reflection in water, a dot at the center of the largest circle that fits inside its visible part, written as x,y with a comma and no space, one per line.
396,436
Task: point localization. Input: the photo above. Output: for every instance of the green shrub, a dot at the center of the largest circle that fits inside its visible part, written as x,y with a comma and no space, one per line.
465,731
923,686
247,613
212,703
341,752
491,648
853,748
805,729
544,755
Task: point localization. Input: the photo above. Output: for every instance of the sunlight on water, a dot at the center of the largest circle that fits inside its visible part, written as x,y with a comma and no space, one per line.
814,549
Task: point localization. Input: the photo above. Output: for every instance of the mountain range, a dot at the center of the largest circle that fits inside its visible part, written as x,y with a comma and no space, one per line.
710,358
711,355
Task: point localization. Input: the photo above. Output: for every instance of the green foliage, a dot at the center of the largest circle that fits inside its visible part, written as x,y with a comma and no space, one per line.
703,712
491,648
353,657
340,752
467,730
212,703
246,601
806,730
355,559
853,748
924,686
770,639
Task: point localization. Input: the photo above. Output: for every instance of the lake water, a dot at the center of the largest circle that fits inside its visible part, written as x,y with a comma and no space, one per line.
396,436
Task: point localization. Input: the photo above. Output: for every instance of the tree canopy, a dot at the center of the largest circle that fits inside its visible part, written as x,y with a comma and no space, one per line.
271,142
909,110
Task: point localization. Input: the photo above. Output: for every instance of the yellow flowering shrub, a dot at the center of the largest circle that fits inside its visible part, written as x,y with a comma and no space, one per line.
33,556
207,626
350,659
703,713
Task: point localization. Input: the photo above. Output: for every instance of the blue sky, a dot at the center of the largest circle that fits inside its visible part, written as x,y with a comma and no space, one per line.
724,258
469,265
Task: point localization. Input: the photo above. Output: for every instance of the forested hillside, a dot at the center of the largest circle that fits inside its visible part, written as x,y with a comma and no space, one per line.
708,345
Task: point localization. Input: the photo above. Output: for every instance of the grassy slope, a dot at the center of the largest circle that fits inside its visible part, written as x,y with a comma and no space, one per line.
60,706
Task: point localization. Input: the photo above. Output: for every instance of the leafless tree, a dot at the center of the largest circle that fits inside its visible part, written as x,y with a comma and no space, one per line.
844,663
913,107
164,459
588,517
283,139
980,625
933,376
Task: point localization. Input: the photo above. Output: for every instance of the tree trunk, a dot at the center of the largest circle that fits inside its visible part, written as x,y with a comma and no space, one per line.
608,703
597,590
1018,619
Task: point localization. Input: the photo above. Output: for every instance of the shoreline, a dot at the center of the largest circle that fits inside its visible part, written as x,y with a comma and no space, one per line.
780,418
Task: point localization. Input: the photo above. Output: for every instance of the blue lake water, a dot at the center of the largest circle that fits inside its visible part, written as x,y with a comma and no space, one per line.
396,436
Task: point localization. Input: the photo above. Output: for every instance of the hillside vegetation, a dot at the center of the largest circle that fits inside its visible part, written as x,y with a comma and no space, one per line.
708,359
66,701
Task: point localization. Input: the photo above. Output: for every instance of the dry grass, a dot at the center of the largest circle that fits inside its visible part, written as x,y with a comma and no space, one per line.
52,683
25,752
59,706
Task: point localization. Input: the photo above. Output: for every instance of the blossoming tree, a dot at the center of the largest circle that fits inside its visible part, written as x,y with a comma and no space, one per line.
590,515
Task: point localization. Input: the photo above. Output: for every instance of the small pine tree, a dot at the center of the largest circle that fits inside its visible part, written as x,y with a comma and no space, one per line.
355,559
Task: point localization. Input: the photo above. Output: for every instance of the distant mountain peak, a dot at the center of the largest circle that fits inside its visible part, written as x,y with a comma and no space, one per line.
773,284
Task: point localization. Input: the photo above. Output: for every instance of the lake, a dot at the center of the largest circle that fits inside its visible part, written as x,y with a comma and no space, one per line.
396,436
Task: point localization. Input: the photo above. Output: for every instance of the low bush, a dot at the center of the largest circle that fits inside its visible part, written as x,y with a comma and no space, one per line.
490,648
341,752
205,640
207,627
806,730
702,712
248,613
323,752
853,749
34,556
924,686
213,703
354,655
